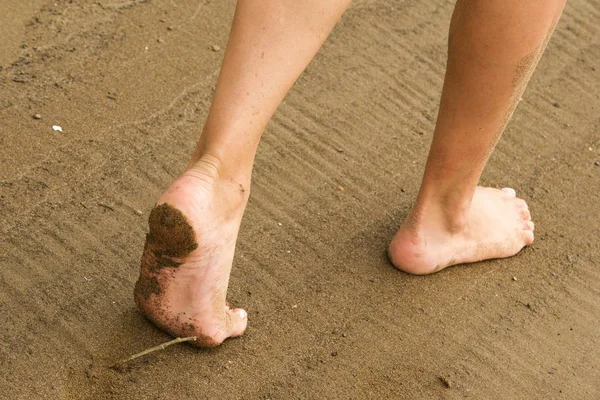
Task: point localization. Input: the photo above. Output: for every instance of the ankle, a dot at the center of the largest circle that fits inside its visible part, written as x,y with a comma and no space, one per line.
206,179
449,209
223,159
210,167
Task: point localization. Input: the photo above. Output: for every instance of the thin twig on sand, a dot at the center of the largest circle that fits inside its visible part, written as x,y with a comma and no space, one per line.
107,206
153,349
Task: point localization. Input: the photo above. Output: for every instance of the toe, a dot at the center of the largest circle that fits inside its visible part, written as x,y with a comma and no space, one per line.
529,225
525,214
528,236
238,322
521,204
232,324
510,192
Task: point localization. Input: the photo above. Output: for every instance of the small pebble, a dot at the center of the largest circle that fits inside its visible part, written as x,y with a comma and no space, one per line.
37,116
514,278
56,128
340,188
339,150
597,163
169,28
556,105
214,47
138,212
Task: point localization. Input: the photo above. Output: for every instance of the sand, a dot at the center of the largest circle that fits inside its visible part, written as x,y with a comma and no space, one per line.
130,83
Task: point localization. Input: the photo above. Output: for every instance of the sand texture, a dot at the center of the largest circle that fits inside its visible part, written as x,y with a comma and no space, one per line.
130,82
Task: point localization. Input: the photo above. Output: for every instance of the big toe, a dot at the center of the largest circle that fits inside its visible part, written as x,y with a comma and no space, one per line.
510,192
233,324
238,320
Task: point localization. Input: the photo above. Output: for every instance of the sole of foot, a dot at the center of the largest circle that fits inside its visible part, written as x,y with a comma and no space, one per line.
497,225
187,258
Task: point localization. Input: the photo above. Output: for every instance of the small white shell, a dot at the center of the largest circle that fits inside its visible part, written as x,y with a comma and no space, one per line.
57,128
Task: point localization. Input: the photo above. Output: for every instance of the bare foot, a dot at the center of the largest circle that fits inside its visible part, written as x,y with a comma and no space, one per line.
497,225
188,255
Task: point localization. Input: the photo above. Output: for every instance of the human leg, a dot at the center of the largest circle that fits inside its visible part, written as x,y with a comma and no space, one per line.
193,228
493,48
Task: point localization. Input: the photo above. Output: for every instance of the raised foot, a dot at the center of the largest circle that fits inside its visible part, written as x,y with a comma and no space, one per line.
187,259
496,225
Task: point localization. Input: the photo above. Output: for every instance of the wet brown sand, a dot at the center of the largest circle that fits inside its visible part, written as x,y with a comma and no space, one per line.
130,83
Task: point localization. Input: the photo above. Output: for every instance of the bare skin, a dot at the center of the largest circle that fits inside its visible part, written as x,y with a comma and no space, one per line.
497,225
493,49
189,251
270,44
184,294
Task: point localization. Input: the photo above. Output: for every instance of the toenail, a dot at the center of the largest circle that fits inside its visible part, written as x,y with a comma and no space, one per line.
243,314
510,191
